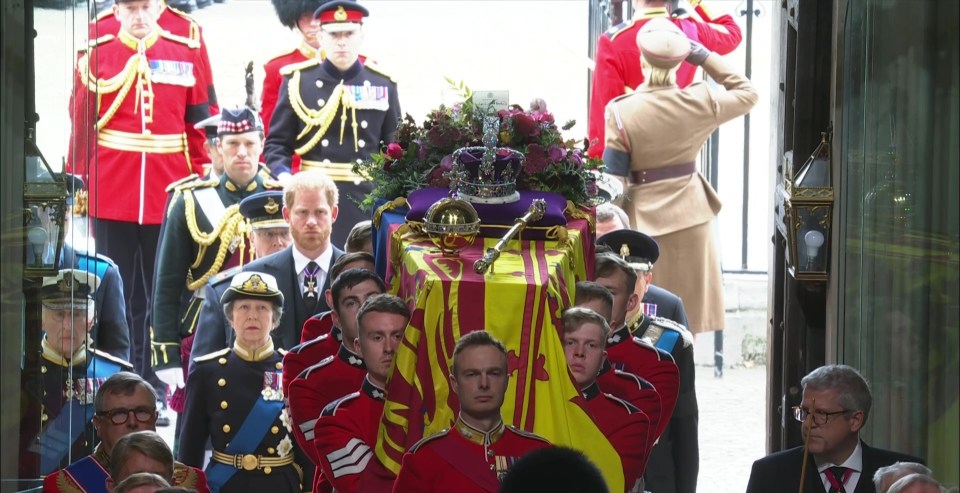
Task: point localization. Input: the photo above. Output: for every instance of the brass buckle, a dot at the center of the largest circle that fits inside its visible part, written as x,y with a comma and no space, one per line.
247,462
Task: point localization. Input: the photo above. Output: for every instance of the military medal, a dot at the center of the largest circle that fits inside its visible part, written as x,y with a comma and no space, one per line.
272,391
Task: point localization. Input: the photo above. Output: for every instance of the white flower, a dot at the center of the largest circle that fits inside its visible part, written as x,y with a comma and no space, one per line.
286,420
285,446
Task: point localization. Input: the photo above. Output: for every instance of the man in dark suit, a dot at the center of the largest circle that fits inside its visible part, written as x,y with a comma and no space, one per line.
310,201
835,405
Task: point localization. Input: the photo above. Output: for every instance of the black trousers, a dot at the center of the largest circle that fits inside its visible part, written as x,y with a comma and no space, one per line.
133,247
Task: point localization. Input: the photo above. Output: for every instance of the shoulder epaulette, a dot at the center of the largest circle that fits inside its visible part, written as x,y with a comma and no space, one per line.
104,14
324,362
374,66
527,434
199,183
440,434
102,39
619,29
211,356
283,352
179,13
293,67
107,356
191,43
668,324
181,181
185,476
225,274
271,184
626,405
331,409
619,98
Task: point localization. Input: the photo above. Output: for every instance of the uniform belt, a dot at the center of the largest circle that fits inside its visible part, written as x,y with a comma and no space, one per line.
155,143
250,462
336,171
664,173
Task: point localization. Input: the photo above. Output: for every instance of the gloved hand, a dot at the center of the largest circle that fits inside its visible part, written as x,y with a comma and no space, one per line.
283,178
173,377
698,53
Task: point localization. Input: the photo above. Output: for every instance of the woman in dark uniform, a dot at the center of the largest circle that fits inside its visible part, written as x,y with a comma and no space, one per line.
234,398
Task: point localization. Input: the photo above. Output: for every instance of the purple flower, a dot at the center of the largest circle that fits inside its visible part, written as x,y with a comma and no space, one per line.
556,154
576,157
536,160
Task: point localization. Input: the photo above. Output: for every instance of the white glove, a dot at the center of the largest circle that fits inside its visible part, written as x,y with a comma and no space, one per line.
283,178
173,377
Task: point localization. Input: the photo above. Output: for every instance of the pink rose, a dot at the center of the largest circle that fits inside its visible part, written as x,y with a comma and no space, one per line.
394,151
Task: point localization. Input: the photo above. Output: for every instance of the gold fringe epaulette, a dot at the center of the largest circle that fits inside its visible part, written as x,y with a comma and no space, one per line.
271,184
283,53
194,26
126,365
294,67
191,43
191,185
181,181
374,66
102,39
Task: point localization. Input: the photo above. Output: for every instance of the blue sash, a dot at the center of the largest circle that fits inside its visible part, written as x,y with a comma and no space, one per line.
668,340
57,438
251,433
89,475
92,264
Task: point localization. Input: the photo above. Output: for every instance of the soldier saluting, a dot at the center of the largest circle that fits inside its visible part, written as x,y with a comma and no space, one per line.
336,112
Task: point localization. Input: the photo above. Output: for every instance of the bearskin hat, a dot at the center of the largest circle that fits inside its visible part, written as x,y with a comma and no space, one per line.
289,11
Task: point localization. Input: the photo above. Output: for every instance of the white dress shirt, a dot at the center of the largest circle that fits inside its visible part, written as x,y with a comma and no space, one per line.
854,463
300,262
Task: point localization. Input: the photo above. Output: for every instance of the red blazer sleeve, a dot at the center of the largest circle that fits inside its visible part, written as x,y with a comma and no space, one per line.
721,35
268,98
306,403
83,118
197,110
608,83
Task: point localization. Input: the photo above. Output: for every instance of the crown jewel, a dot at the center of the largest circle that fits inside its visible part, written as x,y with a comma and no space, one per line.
487,174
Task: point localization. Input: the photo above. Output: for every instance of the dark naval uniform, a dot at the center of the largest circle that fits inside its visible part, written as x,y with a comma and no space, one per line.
56,427
346,439
676,458
626,427
110,332
203,233
234,399
307,354
315,388
464,459
333,120
89,475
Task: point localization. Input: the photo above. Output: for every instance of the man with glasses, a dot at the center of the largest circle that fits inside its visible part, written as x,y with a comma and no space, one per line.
334,112
125,403
835,405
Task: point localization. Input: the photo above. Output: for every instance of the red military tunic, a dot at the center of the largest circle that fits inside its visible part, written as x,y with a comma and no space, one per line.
309,353
637,391
618,72
316,326
346,438
93,476
272,81
174,22
464,459
626,427
317,386
630,354
136,102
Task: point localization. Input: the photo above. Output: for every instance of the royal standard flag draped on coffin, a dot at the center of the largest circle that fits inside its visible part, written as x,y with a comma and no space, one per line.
520,303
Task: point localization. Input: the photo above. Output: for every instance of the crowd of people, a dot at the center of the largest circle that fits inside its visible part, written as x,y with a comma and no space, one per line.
238,280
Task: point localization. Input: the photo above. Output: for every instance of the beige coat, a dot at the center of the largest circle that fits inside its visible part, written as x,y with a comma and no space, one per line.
663,126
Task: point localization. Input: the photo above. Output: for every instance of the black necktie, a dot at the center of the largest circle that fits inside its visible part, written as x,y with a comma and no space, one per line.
311,291
837,476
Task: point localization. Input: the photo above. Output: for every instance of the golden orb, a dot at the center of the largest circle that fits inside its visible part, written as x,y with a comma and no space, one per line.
452,225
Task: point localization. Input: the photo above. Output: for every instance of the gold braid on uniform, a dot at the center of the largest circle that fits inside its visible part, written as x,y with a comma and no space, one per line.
321,118
136,69
230,228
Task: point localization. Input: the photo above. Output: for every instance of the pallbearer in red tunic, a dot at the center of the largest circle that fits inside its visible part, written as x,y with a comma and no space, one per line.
479,449
623,424
338,375
346,433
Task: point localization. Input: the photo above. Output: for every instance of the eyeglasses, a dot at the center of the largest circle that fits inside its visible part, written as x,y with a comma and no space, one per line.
120,416
819,417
